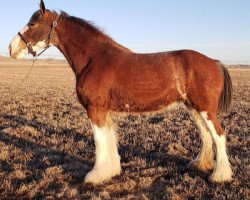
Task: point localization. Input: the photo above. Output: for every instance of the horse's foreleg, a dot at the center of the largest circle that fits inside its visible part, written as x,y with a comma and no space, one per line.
222,171
107,162
204,161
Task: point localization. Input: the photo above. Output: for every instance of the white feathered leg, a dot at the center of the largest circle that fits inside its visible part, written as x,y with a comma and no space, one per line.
205,159
107,162
222,171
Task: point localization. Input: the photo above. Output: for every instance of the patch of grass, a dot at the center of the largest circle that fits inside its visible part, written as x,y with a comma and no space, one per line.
46,143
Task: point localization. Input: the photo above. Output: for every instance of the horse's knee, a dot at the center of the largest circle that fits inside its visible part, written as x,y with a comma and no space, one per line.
98,115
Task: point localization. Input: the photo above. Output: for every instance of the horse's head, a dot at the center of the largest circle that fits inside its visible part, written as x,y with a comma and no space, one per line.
37,34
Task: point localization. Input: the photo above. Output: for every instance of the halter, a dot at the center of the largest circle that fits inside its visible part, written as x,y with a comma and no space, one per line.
29,44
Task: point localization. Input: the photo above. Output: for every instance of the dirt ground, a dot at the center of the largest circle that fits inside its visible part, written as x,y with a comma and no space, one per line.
46,144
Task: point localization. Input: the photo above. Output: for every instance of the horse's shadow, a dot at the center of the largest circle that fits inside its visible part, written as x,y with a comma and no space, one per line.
78,172
54,157
173,164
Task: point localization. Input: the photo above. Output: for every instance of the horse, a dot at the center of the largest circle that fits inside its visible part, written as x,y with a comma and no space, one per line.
111,78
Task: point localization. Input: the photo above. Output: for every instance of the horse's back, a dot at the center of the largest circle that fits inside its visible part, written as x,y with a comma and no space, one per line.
144,82
155,80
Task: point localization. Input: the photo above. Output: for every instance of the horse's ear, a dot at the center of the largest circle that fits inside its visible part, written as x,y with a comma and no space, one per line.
42,7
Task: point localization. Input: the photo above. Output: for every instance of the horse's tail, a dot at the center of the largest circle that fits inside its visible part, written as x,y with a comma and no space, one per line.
226,94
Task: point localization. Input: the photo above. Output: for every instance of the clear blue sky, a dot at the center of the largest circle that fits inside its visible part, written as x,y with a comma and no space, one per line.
217,28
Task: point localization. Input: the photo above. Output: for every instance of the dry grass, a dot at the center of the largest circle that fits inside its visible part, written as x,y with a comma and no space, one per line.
46,145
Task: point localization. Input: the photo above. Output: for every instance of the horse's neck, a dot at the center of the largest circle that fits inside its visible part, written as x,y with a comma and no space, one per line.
78,46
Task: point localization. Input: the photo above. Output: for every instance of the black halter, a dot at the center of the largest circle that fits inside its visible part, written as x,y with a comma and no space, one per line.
29,44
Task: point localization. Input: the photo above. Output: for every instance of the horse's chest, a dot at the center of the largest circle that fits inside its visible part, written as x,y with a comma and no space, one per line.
92,92
82,97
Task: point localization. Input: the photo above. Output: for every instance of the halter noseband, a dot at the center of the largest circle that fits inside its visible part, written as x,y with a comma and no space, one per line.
29,44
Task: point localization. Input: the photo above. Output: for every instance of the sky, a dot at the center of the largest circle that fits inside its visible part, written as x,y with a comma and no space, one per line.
219,29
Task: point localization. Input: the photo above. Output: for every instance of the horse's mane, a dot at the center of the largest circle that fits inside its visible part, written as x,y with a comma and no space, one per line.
90,26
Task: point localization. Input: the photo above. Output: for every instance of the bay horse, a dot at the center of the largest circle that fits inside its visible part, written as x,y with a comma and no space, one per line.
111,78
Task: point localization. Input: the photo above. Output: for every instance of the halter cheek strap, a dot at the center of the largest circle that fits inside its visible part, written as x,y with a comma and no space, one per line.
29,44
53,26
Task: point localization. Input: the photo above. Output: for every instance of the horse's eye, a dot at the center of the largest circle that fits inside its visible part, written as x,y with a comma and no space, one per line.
31,24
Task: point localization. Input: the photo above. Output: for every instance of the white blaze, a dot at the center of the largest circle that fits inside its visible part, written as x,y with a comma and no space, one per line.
16,51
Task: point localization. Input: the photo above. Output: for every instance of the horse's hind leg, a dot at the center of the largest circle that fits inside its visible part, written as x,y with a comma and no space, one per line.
204,161
107,162
222,171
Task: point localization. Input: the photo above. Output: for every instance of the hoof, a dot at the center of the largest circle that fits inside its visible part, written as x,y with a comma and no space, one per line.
203,166
222,175
98,176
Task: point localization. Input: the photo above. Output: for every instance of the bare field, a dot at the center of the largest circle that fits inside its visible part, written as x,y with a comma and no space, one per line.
46,144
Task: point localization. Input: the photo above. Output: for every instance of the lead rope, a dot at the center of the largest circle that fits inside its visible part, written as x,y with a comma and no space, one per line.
32,65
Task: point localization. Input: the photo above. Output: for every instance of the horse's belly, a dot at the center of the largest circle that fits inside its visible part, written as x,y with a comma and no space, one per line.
143,100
